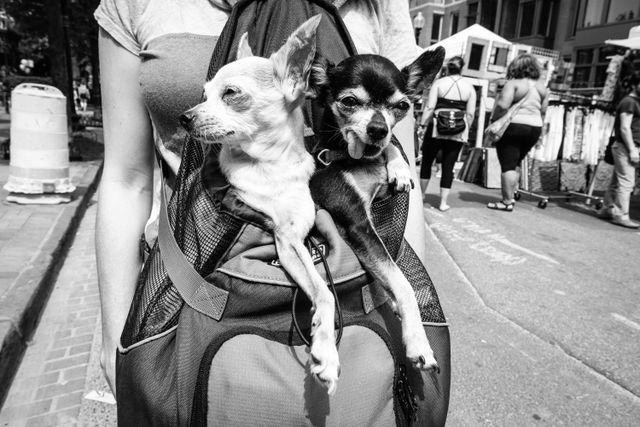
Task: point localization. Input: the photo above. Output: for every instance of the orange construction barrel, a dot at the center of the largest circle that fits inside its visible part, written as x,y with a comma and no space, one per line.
39,141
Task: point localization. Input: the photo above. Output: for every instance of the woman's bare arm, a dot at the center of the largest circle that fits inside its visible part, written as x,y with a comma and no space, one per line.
504,101
432,100
471,104
125,194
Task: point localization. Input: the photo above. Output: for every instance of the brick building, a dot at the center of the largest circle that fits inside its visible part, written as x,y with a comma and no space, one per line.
576,29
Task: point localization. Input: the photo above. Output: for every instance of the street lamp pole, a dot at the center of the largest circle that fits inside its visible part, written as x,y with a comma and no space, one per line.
418,24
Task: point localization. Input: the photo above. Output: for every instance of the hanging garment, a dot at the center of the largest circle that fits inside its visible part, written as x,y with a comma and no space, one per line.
597,128
578,132
550,144
569,133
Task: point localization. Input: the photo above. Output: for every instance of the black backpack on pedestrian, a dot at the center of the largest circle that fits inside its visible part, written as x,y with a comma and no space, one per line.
211,335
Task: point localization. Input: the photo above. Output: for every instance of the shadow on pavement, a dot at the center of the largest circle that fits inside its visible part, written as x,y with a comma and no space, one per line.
483,199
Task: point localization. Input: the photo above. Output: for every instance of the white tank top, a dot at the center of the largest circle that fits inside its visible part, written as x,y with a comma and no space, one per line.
530,112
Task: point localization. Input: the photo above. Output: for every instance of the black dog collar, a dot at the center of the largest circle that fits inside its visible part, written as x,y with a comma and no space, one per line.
327,156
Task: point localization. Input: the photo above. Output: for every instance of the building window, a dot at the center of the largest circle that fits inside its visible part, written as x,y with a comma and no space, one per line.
509,20
546,17
581,76
593,13
527,11
436,26
488,13
584,56
576,20
591,66
621,10
600,76
472,16
454,23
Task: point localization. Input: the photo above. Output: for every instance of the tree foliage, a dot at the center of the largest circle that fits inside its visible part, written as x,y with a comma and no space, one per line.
30,30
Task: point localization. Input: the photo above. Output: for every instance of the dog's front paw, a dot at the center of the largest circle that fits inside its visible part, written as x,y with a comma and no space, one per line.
399,175
419,352
326,369
325,363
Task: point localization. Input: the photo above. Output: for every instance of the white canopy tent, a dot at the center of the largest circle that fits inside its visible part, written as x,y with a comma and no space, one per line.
633,42
457,43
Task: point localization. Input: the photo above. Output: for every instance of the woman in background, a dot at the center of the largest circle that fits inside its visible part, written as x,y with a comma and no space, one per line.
451,92
525,128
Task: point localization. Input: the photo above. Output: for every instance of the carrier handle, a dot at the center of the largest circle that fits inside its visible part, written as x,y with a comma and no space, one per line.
199,294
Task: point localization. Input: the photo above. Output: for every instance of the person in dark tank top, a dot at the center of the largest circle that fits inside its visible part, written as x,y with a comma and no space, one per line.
451,92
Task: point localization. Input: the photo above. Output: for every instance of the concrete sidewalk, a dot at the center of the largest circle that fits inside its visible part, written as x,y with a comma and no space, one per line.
34,241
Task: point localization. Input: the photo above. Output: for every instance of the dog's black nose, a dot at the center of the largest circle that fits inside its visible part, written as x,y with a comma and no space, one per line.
377,130
186,119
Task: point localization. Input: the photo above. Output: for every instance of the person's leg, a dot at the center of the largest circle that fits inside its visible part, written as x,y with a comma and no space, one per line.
526,142
625,176
430,149
609,197
508,149
450,152
509,184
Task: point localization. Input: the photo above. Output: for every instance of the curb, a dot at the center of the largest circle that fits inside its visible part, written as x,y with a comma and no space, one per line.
37,285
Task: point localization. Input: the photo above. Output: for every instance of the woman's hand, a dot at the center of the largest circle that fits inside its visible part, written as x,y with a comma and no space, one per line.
420,131
634,156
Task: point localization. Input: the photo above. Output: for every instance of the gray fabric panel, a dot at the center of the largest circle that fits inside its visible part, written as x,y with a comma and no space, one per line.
257,382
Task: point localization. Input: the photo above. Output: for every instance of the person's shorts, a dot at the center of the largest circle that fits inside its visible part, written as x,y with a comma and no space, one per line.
514,145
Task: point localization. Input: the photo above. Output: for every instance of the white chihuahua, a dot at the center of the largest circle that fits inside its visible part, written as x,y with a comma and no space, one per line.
253,108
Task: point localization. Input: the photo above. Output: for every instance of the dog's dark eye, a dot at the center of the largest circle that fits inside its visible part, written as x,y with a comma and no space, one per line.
349,101
229,92
402,105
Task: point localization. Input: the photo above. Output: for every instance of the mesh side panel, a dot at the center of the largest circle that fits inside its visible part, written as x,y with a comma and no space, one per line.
204,234
203,231
412,268
390,217
156,303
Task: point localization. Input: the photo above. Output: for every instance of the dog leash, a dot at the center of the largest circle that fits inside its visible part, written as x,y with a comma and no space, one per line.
305,340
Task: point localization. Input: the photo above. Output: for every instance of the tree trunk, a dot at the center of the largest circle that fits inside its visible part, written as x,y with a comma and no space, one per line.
59,50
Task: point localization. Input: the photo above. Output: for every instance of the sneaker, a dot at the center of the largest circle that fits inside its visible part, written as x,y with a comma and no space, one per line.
625,222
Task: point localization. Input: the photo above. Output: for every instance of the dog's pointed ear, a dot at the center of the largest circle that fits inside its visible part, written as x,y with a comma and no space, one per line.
244,50
292,62
421,72
319,78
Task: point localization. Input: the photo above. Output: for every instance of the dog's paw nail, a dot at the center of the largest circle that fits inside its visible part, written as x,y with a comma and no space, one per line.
328,378
331,388
317,369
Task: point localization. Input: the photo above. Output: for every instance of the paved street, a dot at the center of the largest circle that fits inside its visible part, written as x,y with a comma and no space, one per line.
543,307
544,313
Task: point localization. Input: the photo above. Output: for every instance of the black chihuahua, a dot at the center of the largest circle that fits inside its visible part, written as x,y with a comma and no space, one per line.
365,96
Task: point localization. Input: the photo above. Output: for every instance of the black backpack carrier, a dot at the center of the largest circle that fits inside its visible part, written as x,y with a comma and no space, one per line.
220,348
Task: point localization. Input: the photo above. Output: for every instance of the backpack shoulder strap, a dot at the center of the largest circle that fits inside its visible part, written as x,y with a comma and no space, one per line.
199,294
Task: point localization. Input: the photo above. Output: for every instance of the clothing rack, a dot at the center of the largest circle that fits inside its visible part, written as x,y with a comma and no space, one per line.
568,100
